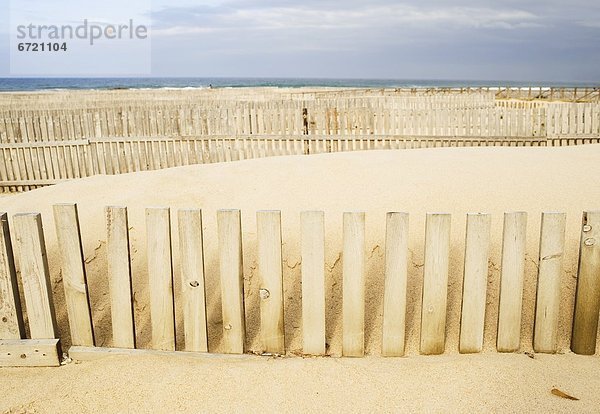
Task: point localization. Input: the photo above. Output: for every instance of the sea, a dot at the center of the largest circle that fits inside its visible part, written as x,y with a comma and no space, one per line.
36,84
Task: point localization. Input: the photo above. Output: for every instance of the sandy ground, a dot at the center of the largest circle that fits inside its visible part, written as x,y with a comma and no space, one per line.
451,383
454,180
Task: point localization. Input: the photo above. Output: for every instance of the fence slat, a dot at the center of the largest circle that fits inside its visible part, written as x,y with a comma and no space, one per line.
552,246
33,263
271,281
232,281
160,278
477,245
11,318
435,283
353,306
511,281
313,282
77,300
587,298
119,277
396,276
192,280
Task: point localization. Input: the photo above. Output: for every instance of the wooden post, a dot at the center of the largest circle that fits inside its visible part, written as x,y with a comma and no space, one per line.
511,281
11,317
475,278
119,277
192,280
552,247
587,298
232,280
313,282
435,283
353,306
160,278
77,299
35,275
271,281
396,276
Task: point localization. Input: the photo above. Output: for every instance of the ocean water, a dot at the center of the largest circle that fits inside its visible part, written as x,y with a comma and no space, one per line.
33,84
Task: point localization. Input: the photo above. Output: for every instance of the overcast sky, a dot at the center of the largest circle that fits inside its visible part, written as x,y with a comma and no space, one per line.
527,40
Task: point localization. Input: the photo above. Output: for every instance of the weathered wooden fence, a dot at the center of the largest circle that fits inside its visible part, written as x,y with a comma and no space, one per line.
51,137
43,348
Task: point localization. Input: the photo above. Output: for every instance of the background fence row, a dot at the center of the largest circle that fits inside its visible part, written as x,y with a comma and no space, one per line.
356,117
30,255
49,137
27,166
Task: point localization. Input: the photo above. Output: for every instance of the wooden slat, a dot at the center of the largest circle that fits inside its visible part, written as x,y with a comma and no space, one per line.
552,247
475,279
435,283
232,281
396,276
119,277
353,307
160,278
587,298
30,352
192,280
313,282
66,221
11,317
271,281
35,276
511,281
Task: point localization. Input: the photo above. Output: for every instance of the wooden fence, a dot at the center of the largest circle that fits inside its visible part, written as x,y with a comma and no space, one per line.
43,347
348,117
50,137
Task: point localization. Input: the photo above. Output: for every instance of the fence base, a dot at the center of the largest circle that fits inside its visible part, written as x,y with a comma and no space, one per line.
88,353
30,352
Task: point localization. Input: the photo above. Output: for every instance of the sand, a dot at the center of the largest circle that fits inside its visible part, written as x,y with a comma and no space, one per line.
453,180
451,383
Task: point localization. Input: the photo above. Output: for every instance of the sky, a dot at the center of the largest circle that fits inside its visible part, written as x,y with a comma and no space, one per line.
527,40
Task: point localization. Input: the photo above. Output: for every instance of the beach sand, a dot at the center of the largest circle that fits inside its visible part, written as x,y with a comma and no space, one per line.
487,382
453,180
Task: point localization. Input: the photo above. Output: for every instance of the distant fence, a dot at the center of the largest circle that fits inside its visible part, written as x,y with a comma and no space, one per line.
31,256
30,165
49,137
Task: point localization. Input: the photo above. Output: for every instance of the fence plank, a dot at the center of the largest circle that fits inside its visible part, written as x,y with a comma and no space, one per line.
160,278
119,277
232,281
511,281
587,298
435,283
271,281
33,263
552,246
313,282
11,318
477,245
77,300
353,306
192,280
30,353
396,276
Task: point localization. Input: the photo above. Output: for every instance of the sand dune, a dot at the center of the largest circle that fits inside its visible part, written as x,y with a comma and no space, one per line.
454,180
